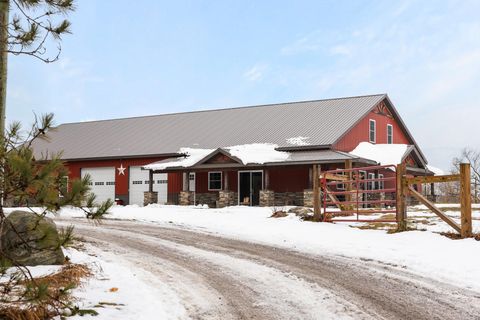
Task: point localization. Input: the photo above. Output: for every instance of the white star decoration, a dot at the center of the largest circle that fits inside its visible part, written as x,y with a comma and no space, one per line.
121,170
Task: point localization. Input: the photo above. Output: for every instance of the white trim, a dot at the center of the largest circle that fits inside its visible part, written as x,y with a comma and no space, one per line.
391,126
221,180
381,184
238,183
374,130
371,184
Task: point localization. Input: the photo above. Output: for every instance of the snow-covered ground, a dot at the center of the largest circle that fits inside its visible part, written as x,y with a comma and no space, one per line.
423,252
120,291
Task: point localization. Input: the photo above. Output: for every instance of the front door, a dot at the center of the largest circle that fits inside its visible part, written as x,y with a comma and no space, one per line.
249,185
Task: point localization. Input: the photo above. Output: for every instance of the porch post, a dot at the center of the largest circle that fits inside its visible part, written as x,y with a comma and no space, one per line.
185,181
310,178
267,180
348,197
225,187
150,182
316,193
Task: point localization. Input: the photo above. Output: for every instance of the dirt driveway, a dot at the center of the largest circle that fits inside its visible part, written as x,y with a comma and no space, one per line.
220,278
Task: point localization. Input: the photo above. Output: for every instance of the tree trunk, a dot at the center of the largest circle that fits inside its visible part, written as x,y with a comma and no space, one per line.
4,7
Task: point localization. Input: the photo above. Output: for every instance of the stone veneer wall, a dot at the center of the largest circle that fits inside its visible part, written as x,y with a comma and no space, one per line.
227,198
150,197
289,199
209,199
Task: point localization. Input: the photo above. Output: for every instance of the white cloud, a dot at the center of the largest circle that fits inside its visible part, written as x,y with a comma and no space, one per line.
308,43
426,57
256,72
341,50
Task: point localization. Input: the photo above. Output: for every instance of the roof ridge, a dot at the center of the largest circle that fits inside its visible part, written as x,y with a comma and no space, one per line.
228,108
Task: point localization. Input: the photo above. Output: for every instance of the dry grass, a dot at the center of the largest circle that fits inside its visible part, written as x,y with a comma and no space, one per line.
456,236
45,297
279,214
378,226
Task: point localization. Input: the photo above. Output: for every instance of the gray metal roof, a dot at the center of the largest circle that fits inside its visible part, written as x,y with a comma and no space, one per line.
323,122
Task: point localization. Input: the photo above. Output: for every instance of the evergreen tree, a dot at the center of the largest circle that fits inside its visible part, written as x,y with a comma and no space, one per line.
24,179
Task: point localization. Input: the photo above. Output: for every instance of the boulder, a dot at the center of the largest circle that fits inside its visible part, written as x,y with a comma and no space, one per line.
301,212
30,240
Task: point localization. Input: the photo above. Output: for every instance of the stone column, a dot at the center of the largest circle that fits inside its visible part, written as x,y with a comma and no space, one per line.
267,198
226,198
308,198
150,197
185,198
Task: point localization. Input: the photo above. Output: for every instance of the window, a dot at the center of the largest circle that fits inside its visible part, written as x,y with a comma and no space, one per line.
381,184
372,131
110,183
389,134
371,184
363,175
99,183
215,180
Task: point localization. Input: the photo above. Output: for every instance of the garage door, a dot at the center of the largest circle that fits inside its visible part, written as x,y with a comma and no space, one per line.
139,184
103,182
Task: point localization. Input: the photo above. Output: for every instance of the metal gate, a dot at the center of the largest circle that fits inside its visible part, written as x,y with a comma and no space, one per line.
359,192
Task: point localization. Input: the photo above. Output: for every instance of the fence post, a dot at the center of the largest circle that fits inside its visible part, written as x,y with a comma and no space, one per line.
465,201
316,194
401,198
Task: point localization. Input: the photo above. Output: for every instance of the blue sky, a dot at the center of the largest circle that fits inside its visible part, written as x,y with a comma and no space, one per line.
156,57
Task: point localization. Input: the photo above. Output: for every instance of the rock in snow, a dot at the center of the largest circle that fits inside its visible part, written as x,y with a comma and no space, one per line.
30,239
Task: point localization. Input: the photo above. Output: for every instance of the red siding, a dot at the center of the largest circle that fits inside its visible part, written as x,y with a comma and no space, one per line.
360,132
289,179
121,181
201,184
175,182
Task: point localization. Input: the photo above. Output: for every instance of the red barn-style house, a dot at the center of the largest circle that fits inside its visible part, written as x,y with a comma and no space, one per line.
258,155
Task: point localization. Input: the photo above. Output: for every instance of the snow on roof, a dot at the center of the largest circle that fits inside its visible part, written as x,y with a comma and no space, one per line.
258,153
384,154
298,141
192,156
436,171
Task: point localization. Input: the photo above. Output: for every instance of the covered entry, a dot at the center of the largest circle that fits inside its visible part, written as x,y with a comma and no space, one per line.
249,185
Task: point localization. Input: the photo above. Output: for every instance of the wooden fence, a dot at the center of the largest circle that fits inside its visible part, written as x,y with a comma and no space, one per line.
405,188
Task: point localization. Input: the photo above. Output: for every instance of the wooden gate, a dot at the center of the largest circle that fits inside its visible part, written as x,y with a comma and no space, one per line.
359,192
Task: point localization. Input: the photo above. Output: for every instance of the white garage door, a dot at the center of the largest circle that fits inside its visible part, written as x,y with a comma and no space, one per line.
139,184
103,182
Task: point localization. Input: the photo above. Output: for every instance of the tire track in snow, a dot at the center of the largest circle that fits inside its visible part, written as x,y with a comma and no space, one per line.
380,291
